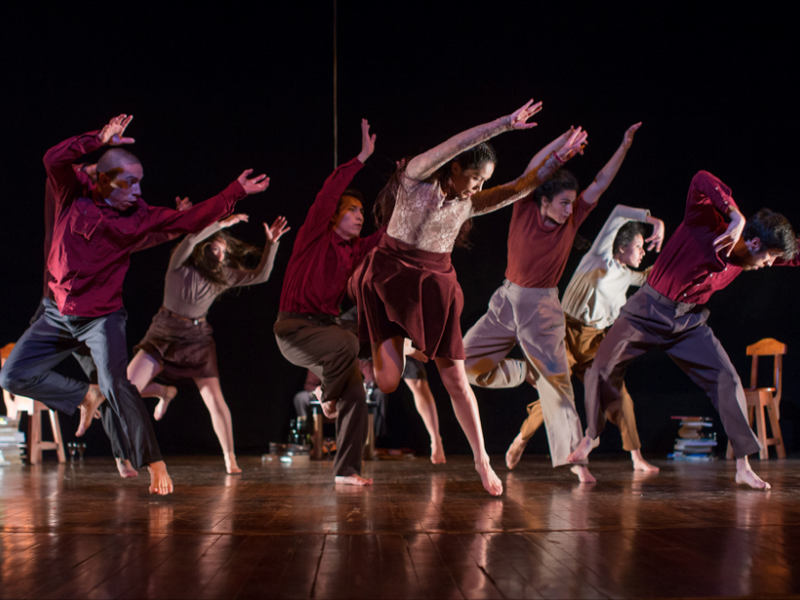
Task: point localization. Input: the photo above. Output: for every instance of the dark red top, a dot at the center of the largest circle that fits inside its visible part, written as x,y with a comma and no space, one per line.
537,255
151,240
92,242
688,269
322,261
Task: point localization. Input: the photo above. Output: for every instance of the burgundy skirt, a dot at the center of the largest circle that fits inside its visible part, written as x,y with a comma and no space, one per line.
412,293
184,350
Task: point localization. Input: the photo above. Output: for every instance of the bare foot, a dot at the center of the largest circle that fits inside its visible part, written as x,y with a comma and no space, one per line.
745,474
126,469
352,480
582,451
640,464
329,409
163,403
491,482
437,452
515,451
88,406
582,471
230,463
160,481
410,350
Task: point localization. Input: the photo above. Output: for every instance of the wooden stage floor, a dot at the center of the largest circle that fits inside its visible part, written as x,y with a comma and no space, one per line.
420,532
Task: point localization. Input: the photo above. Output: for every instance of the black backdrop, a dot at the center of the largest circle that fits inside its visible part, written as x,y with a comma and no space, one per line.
214,92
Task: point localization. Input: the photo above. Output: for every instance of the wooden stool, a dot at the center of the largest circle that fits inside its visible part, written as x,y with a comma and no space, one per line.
18,404
760,398
316,431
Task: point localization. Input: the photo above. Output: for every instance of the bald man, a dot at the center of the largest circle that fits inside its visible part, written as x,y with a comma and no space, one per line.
89,256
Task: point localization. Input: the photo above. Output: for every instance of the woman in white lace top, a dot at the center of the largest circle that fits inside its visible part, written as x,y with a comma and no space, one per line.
409,289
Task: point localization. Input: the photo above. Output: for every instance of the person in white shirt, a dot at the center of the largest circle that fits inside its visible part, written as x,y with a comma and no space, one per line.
591,304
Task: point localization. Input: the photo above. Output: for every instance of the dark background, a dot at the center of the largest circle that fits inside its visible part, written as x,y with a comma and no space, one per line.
215,92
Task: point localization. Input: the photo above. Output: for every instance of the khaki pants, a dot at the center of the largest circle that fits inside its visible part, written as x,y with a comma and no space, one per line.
532,318
582,343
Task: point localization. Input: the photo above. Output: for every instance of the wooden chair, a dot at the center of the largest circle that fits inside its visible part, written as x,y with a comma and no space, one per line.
35,409
769,397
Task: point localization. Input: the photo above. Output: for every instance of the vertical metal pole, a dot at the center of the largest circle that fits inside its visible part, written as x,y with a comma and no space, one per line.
335,102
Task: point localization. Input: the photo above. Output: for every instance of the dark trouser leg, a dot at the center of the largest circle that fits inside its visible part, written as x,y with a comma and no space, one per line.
105,338
332,355
701,356
28,370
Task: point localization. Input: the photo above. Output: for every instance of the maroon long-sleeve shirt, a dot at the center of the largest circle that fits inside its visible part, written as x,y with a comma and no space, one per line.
322,261
688,269
92,242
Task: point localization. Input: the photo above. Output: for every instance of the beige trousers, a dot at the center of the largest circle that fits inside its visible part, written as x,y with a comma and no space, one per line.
582,343
532,318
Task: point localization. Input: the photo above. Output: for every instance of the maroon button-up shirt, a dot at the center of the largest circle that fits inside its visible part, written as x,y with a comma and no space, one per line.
322,261
688,269
92,242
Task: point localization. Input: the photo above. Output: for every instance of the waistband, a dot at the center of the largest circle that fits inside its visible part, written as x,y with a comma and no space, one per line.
680,308
552,292
182,318
319,318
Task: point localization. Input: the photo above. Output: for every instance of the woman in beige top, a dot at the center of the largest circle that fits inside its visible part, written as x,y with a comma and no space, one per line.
179,345
409,288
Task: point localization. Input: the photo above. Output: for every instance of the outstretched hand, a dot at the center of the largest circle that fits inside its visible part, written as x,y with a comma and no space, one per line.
627,139
658,236
573,145
732,233
182,203
519,118
111,134
255,185
367,142
233,220
278,228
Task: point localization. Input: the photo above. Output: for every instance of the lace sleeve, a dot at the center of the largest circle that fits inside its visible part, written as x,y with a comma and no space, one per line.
494,198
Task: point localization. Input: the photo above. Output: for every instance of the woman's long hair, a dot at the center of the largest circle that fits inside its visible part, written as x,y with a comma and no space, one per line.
209,267
474,158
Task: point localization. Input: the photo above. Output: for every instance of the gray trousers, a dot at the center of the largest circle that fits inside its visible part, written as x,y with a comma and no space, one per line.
53,337
331,353
650,320
532,318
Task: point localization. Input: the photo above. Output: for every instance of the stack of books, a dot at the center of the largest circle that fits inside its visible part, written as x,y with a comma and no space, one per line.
695,439
11,442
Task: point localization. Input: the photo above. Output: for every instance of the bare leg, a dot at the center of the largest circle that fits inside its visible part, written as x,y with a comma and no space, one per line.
141,371
388,362
88,407
426,407
745,474
640,464
220,418
126,469
465,406
160,481
582,451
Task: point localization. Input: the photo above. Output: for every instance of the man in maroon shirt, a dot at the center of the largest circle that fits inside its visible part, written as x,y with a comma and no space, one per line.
708,251
525,310
325,253
90,254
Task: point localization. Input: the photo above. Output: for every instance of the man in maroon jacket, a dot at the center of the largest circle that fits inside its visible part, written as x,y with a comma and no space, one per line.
708,250
325,253
90,254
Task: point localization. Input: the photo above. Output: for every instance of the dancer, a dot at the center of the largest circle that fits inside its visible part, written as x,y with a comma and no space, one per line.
525,309
591,303
416,379
326,251
712,246
91,246
409,288
178,344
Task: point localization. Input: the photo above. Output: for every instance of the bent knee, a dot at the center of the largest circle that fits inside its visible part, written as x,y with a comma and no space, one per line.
386,383
15,381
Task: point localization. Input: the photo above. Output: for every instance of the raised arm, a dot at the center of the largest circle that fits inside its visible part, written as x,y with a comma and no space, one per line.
604,178
492,199
424,165
603,243
262,272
